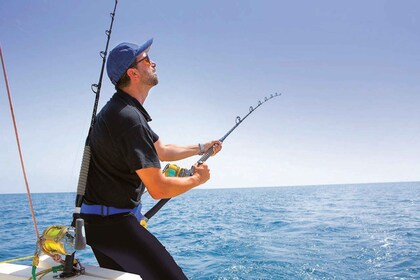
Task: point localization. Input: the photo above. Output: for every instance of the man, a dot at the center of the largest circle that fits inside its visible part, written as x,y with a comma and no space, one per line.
126,155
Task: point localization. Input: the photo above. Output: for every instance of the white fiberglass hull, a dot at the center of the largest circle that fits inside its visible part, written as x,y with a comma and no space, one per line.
18,272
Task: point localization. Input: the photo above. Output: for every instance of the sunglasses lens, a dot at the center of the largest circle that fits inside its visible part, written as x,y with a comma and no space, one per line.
147,60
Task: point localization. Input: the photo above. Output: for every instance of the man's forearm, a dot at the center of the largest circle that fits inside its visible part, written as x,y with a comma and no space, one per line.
160,186
172,152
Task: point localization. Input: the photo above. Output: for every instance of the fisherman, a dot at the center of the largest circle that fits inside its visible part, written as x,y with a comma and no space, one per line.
126,155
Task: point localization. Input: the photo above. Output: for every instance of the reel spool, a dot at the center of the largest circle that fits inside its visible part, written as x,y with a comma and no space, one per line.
173,170
56,241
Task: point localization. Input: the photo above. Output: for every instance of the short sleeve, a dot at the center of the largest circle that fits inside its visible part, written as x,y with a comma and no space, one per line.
137,148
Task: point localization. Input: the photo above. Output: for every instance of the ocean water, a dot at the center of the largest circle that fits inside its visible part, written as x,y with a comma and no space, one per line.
367,231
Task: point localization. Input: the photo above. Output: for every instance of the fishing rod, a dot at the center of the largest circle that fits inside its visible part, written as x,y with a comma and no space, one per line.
96,88
172,170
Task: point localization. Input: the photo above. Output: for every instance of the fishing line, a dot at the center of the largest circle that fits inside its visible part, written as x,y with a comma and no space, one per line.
96,88
174,170
18,144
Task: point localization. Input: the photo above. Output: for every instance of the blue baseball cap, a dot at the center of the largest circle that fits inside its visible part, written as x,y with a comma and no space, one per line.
122,56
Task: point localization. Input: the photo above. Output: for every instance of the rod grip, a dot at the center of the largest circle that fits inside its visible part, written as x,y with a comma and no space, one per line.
80,236
84,169
206,155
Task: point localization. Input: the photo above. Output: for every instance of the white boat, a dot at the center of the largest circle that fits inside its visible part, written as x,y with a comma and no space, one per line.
17,272
60,245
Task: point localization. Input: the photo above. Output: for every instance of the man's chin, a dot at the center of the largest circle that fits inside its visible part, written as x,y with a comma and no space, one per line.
155,81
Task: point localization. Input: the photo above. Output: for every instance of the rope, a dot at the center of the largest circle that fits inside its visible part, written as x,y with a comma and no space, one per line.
18,259
18,144
42,273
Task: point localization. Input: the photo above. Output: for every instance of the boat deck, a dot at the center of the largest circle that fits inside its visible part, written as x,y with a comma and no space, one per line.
11,271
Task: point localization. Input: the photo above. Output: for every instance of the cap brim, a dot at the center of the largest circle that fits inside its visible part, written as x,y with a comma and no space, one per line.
145,47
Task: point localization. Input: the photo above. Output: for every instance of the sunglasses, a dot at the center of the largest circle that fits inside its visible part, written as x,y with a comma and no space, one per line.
146,59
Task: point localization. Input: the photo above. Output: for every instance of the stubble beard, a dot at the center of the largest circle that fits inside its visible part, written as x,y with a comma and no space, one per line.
151,79
154,80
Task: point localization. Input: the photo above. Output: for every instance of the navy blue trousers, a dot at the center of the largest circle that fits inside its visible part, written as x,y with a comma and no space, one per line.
120,243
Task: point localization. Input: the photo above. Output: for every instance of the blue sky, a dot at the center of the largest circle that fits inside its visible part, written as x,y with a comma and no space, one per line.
348,71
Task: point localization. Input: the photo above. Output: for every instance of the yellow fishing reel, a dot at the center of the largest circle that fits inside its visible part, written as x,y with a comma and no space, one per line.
173,170
57,241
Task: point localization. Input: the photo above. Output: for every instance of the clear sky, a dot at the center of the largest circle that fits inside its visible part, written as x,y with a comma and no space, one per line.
349,73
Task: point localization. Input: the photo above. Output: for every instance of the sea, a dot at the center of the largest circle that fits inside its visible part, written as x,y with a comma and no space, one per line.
360,231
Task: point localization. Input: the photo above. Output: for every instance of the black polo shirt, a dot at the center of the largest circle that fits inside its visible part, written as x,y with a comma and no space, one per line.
121,142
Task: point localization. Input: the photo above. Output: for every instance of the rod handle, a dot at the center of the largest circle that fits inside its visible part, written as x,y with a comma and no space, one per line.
206,156
80,237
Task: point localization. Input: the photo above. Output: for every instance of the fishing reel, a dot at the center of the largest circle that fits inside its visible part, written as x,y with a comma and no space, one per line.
173,170
58,241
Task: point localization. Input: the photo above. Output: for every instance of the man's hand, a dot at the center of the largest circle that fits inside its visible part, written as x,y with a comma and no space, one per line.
202,173
216,144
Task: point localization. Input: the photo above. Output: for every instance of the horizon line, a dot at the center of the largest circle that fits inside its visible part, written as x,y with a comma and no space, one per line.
258,187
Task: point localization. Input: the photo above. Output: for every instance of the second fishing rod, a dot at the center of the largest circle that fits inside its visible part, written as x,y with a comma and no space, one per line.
173,170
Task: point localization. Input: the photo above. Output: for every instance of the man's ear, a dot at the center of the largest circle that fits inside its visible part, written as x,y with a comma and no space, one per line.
132,73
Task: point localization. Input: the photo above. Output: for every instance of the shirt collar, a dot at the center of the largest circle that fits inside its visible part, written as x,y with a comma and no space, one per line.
134,102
